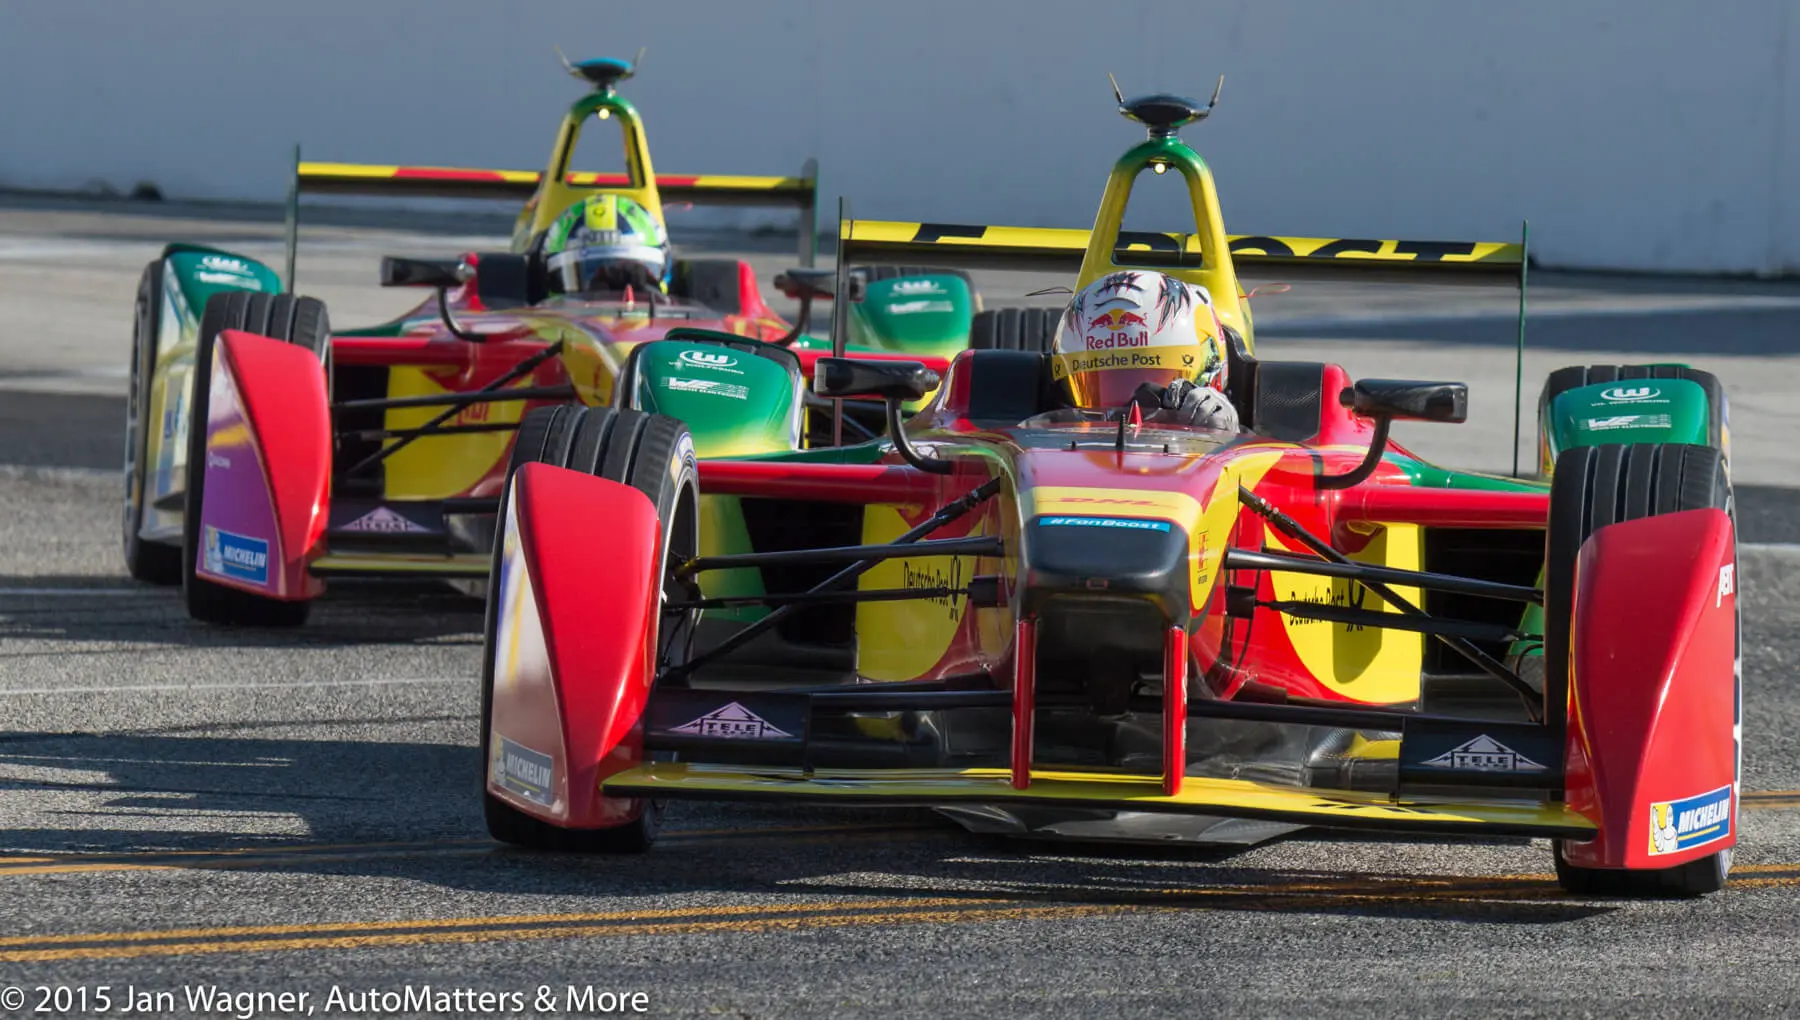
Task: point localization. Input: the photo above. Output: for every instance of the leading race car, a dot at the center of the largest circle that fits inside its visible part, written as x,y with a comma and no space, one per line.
394,438
1134,582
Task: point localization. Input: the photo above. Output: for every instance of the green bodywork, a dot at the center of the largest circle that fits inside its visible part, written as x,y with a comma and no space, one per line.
1629,411
192,274
920,315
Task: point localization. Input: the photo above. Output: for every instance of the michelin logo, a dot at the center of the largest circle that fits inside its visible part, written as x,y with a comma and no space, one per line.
518,769
238,557
1677,825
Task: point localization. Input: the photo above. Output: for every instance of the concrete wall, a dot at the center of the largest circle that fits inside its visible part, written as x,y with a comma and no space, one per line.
1639,134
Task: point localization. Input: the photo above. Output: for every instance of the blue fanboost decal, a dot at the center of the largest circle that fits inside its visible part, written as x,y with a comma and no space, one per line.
1696,821
1123,523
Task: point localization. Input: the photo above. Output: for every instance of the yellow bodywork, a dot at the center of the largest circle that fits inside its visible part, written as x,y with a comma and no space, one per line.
1199,795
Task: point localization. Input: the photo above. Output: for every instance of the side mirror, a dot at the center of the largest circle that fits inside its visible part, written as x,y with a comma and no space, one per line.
838,378
1384,400
1408,400
397,271
809,285
895,382
818,285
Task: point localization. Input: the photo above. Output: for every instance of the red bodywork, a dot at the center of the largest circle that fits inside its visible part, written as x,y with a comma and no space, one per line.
1652,706
280,392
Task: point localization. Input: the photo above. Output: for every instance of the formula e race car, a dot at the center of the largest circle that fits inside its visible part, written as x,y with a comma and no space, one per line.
1047,614
381,450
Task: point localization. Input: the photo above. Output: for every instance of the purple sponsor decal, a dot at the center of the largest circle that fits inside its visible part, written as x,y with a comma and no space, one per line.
236,503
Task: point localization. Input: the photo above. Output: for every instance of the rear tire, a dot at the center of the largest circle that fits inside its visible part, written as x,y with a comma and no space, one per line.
296,320
1595,486
654,454
153,562
1015,329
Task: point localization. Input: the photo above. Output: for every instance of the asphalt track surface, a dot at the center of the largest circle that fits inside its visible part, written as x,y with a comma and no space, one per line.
183,806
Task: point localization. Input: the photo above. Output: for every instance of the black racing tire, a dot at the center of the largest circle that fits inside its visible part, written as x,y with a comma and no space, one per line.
1576,376
153,562
296,320
654,454
1015,329
875,274
714,283
1595,486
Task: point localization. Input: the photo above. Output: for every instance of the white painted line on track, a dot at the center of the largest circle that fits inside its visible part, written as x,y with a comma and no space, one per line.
199,688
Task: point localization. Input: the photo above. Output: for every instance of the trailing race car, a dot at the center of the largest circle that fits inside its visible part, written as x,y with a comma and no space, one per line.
1134,582
395,437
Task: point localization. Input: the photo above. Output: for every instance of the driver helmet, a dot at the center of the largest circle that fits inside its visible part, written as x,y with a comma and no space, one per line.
1128,329
605,242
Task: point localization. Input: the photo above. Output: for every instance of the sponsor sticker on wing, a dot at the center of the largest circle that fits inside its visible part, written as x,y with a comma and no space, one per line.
1677,825
238,557
520,770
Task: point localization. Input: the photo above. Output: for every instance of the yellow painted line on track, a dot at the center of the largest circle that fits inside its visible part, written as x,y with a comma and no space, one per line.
1322,893
254,857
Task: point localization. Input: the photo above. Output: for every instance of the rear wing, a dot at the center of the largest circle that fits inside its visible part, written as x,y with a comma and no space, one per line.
1054,249
1253,256
800,193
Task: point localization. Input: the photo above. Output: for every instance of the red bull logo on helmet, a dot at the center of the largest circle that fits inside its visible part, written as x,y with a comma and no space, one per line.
1116,328
1117,318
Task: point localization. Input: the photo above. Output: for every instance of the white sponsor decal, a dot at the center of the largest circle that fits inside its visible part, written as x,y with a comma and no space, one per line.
1484,754
383,519
1630,421
217,460
242,282
1630,394
914,307
707,359
912,287
226,264
712,386
733,722
1727,583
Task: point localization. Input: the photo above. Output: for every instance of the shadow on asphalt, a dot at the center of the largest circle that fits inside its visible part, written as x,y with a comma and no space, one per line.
412,811
122,612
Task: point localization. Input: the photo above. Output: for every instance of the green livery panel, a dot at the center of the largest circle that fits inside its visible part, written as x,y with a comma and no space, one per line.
1629,411
736,403
922,315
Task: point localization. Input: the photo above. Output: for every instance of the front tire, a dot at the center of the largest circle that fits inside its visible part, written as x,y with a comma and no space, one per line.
1595,486
654,454
296,320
